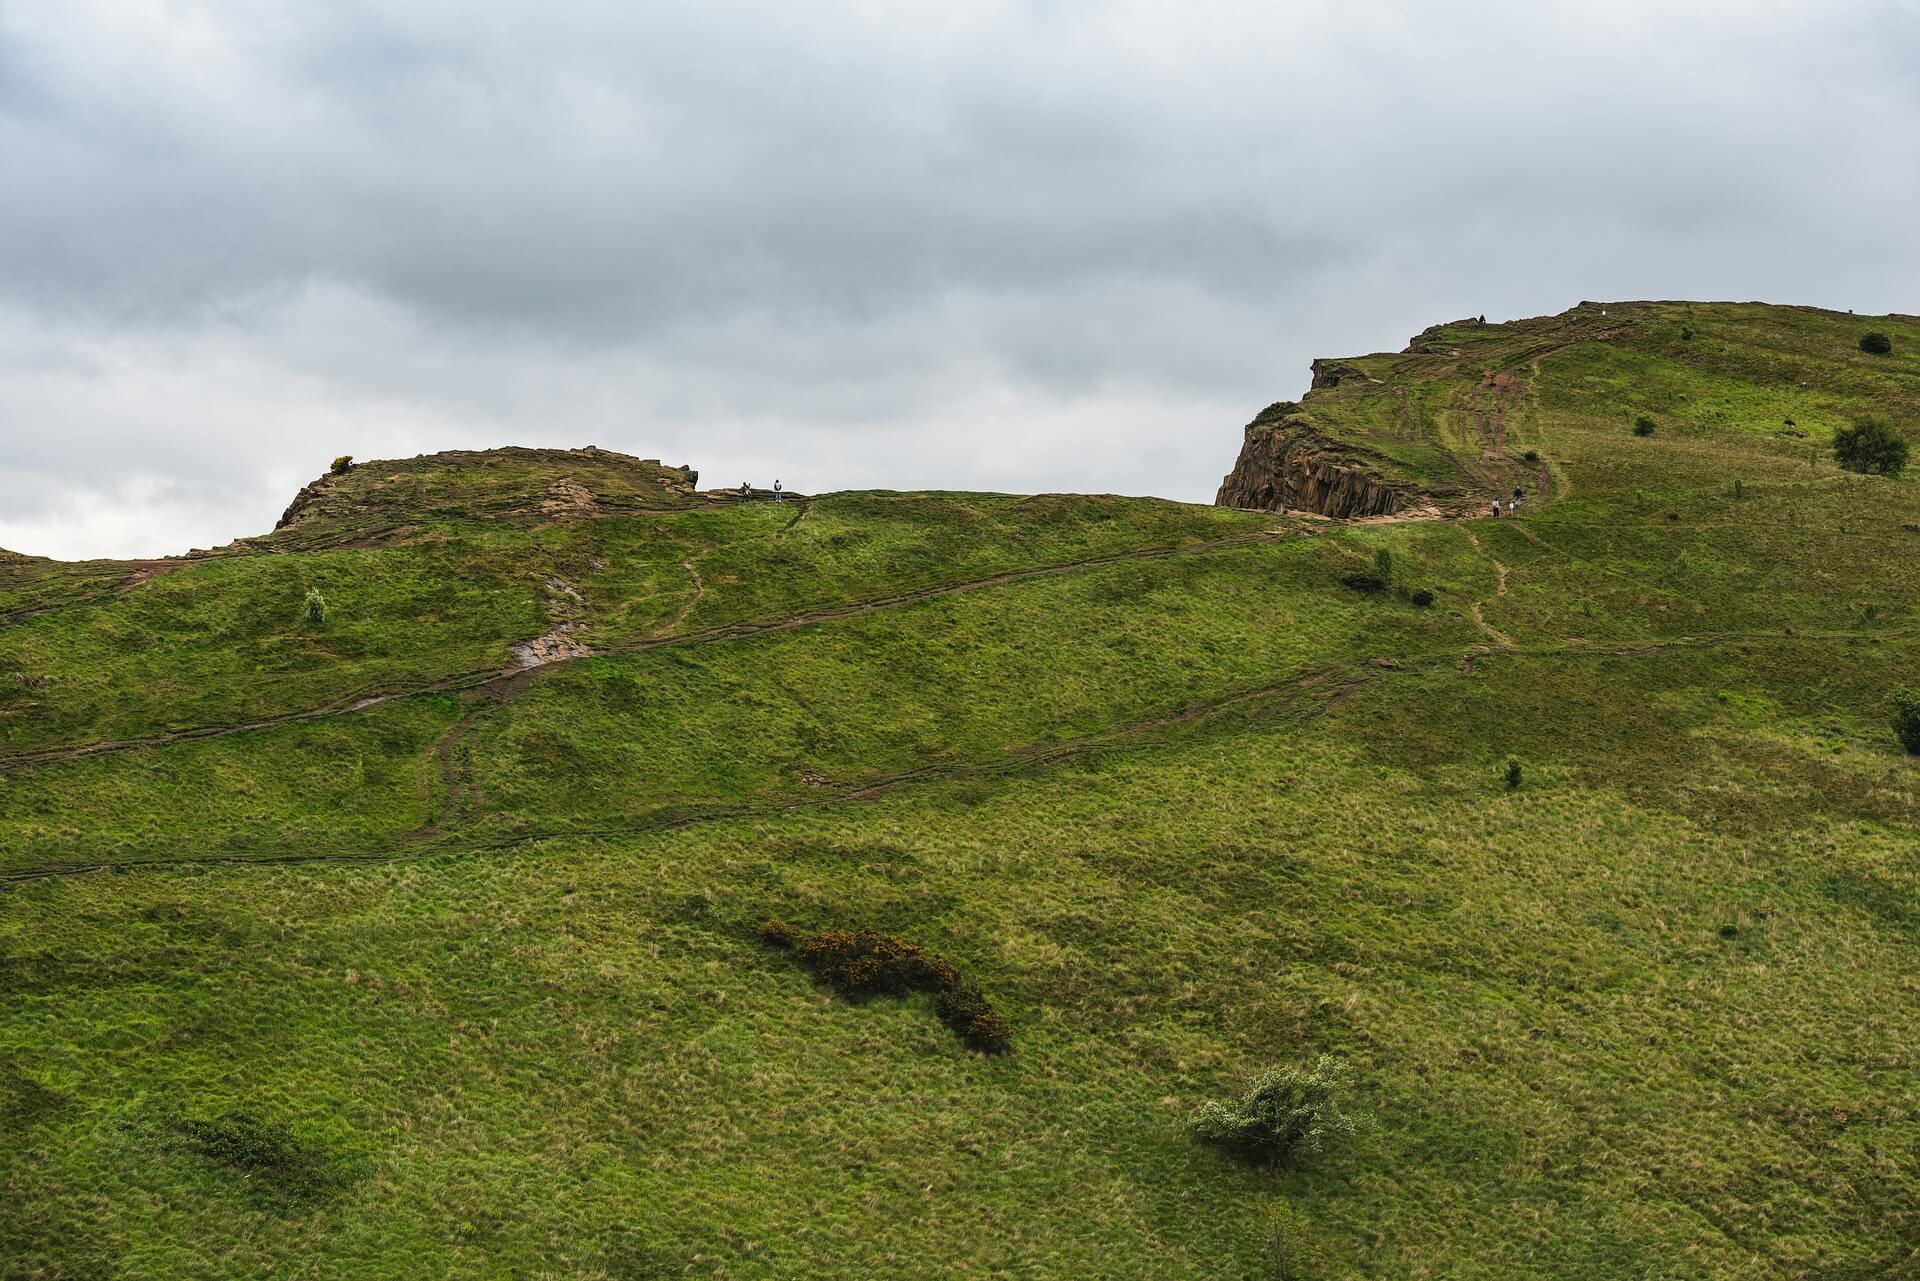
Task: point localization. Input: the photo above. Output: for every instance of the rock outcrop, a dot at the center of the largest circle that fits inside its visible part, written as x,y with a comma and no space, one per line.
492,484
1285,464
1331,373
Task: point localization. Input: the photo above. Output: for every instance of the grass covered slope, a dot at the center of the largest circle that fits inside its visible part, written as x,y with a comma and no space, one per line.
468,980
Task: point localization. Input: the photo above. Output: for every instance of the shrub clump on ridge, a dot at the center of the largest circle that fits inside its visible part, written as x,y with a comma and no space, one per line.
862,963
1906,718
1871,447
1876,344
1284,1114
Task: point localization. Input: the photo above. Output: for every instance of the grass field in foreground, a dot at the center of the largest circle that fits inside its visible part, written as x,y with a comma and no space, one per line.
467,982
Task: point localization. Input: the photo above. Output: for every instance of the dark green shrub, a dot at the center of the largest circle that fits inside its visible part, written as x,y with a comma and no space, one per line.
1729,930
1876,344
1872,447
862,963
1422,597
962,1008
1531,457
1686,333
1513,774
316,608
1283,1115
340,465
1363,582
1906,718
1643,426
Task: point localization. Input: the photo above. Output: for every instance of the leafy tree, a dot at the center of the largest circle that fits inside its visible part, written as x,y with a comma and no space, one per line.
1906,718
316,610
1872,447
1876,344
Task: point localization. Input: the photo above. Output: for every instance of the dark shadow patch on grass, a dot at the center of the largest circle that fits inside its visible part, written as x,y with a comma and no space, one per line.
279,1169
23,1100
1874,897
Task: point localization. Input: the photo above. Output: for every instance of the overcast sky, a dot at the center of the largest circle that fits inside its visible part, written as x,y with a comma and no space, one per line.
1039,246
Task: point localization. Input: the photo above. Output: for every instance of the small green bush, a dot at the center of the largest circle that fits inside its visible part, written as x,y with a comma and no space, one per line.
340,465
1531,457
1369,583
1643,426
316,609
1876,344
1422,597
1513,774
1686,333
1870,447
1906,718
1283,1115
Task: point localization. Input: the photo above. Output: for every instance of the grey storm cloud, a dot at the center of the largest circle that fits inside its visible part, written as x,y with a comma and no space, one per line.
1015,246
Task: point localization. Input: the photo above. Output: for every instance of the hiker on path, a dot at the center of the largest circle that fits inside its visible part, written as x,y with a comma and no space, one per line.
776,491
1496,509
746,490
1517,494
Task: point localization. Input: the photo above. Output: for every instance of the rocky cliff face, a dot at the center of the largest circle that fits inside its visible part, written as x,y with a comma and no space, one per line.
1284,464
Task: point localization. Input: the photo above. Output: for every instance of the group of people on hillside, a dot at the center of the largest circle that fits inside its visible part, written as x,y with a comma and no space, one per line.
1511,507
746,491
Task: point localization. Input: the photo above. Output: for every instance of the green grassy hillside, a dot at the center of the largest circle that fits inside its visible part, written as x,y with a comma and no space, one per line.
423,939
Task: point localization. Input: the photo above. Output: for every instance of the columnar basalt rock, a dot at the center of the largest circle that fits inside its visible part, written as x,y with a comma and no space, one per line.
1285,465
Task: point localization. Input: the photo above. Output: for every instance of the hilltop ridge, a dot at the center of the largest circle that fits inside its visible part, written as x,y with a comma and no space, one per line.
506,483
1431,424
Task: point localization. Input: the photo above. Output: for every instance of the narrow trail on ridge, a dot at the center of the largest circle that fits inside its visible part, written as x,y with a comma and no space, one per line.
687,605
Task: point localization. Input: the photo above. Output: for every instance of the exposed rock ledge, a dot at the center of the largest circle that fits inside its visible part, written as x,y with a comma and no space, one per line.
1285,465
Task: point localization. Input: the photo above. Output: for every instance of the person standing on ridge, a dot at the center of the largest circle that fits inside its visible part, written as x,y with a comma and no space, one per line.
776,491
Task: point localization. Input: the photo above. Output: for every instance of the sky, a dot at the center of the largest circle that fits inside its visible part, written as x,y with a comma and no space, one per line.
1009,246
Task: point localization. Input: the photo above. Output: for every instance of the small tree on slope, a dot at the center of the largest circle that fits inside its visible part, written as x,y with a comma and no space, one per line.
1872,447
1906,718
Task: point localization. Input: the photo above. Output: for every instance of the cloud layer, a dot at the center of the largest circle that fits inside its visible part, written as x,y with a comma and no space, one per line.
1015,246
